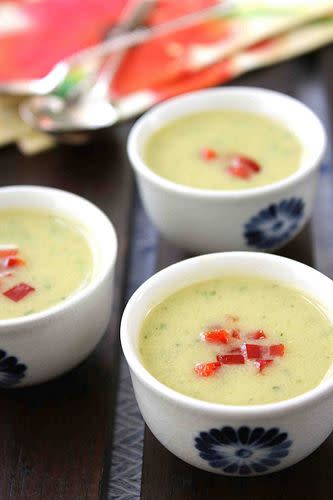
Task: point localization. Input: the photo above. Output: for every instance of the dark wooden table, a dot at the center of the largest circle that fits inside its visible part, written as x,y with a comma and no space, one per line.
58,439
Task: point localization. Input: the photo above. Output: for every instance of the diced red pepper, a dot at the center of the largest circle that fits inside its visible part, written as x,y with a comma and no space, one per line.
18,292
208,154
230,359
258,335
12,261
242,166
206,369
263,363
219,336
276,350
6,251
245,160
241,171
235,334
255,351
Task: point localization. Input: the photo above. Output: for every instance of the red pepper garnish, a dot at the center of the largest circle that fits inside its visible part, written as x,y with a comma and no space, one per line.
276,350
242,166
245,160
240,171
238,352
230,359
6,252
258,335
12,261
235,334
262,363
206,369
254,351
216,336
208,154
18,292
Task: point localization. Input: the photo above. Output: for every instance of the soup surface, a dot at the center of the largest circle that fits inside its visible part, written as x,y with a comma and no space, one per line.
223,149
237,340
44,258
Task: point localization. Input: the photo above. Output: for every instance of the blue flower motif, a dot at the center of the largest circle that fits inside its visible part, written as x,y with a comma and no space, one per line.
11,370
243,451
274,225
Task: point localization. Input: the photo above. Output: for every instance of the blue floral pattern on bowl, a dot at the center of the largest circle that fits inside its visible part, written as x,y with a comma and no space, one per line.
274,225
243,451
11,370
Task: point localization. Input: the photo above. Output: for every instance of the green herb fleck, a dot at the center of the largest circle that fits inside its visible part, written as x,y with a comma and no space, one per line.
28,312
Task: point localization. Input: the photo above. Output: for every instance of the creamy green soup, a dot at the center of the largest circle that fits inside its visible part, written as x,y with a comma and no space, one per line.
218,150
290,339
44,259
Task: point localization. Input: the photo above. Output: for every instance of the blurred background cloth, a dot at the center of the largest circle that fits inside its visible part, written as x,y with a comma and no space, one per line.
36,34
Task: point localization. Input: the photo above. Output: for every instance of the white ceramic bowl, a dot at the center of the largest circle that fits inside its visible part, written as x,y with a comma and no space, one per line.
263,218
48,343
227,439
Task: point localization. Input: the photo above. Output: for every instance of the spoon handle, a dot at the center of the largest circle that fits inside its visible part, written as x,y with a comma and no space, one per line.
132,17
119,42
144,34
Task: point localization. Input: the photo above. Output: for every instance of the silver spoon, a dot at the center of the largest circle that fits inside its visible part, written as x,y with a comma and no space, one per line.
89,109
93,109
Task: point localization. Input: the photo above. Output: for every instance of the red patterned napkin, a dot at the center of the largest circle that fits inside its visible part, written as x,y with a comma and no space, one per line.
35,35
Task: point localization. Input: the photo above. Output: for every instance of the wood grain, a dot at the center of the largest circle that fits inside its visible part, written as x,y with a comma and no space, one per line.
56,437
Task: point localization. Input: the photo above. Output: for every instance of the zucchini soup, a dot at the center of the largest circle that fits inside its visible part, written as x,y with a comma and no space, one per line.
238,340
223,150
44,258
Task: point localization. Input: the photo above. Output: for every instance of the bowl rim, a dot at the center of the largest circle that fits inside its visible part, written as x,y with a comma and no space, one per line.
94,283
143,170
321,391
